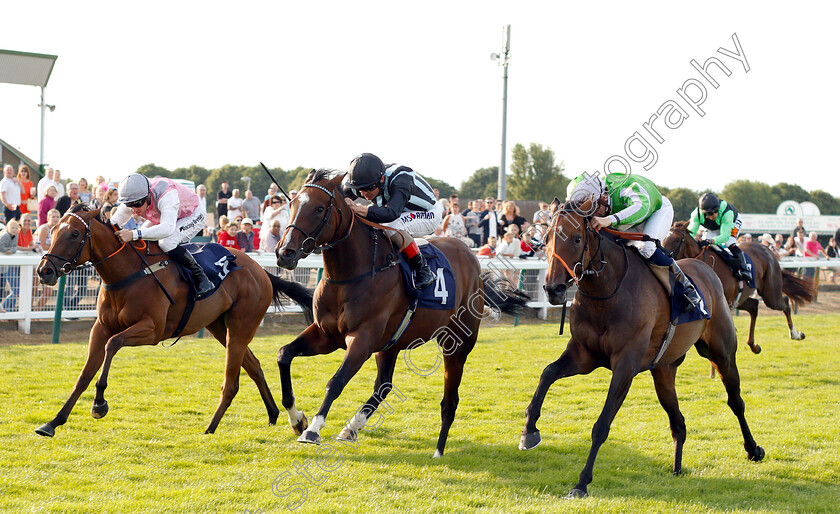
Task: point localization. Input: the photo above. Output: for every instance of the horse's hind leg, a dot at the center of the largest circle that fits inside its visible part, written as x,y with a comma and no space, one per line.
96,353
750,305
575,360
312,341
663,381
252,366
794,334
385,364
723,354
453,365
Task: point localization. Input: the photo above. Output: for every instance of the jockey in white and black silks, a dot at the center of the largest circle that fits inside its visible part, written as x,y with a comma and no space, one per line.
402,200
173,214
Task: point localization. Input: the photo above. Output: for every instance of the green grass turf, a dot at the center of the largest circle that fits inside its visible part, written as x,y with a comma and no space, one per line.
150,454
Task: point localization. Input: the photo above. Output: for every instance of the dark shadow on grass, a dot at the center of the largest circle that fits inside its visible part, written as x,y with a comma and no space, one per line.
620,472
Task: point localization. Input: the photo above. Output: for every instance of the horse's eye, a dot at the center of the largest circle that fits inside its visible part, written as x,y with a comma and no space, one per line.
320,209
577,239
74,234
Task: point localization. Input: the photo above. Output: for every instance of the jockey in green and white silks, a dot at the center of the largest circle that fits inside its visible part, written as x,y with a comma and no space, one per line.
722,223
632,203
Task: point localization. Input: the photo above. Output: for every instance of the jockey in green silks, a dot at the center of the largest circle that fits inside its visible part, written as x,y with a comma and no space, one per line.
632,203
722,223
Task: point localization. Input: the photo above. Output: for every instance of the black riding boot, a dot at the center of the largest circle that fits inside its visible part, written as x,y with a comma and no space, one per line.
743,270
423,275
200,280
691,295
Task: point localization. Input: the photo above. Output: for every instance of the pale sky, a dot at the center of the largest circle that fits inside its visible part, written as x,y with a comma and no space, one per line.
314,83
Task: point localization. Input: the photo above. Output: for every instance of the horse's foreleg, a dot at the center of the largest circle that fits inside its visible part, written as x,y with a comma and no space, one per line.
96,353
663,381
620,384
312,341
138,334
575,360
358,351
385,364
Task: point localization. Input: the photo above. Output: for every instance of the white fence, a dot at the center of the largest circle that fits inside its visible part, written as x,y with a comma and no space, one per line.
24,298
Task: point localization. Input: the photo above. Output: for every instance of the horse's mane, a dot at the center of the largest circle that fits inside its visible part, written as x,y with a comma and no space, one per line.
322,174
79,207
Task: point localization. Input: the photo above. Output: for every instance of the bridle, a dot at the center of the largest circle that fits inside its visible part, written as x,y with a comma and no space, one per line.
580,270
682,242
71,264
311,239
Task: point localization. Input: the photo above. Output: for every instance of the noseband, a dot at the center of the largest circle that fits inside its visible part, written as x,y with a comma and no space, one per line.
312,238
580,271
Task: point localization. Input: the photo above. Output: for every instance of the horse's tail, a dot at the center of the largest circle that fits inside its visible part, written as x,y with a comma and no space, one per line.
296,292
501,295
799,289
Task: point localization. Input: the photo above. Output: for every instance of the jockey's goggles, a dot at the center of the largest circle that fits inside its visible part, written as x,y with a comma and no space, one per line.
136,204
370,187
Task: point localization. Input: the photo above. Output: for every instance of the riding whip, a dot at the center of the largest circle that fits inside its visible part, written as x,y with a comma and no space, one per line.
275,182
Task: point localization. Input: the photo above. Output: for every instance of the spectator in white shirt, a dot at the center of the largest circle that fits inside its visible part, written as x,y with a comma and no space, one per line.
234,205
10,193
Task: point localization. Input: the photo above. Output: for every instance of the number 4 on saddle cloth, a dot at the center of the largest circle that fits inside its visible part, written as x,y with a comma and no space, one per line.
216,261
441,293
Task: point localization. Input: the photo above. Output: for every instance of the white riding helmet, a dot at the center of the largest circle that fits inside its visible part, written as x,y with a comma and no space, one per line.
587,187
133,187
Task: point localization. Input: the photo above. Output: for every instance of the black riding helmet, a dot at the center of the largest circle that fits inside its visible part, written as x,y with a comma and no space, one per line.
709,203
365,170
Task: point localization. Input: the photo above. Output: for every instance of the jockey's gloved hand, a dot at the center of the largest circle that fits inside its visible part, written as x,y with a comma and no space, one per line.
704,243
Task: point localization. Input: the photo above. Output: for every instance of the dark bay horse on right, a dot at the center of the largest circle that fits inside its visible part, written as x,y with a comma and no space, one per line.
775,285
619,319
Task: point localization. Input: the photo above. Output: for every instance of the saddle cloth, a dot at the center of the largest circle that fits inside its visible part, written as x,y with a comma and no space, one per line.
216,261
678,302
441,294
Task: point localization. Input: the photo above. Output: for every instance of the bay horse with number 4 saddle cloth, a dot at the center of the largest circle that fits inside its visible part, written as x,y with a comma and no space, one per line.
362,305
620,320
145,300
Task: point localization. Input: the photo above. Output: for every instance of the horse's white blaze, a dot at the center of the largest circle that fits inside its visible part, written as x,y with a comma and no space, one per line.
63,226
317,424
302,199
294,416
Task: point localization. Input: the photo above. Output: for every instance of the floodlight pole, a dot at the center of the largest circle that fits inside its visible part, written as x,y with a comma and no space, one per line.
504,61
43,110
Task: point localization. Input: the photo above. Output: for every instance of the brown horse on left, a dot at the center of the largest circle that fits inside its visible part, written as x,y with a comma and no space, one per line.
140,313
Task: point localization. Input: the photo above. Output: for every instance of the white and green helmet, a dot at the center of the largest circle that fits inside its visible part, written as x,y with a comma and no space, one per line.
133,187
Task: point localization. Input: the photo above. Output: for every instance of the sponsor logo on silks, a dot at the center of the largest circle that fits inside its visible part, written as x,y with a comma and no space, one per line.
417,216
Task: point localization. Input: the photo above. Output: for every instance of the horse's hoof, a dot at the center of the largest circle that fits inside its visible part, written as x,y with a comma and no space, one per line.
759,454
801,336
438,454
756,349
301,426
530,441
347,434
309,437
45,430
99,409
577,493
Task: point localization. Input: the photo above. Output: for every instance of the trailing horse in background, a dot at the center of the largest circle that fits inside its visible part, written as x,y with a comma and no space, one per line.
775,285
139,309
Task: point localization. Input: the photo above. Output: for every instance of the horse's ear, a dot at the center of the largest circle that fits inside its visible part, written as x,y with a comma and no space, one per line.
554,205
337,178
309,176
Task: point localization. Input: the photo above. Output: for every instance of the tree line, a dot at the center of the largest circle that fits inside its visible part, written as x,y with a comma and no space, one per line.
534,175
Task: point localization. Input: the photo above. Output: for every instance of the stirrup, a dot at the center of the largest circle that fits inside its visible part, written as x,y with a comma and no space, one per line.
418,274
